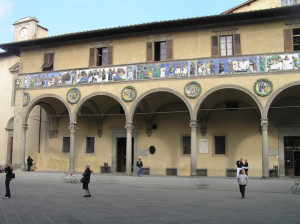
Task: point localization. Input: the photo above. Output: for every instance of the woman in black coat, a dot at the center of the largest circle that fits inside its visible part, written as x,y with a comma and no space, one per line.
9,175
86,181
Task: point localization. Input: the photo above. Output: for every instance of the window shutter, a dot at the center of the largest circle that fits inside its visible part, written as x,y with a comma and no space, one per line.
109,55
169,49
149,51
288,40
214,46
92,61
48,60
237,44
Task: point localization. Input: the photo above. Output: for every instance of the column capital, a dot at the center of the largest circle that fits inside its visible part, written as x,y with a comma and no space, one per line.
25,127
264,124
129,126
193,123
72,127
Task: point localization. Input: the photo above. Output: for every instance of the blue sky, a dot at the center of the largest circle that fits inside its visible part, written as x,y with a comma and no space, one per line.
68,16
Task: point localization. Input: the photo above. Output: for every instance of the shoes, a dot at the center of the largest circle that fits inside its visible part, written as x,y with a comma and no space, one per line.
7,197
87,196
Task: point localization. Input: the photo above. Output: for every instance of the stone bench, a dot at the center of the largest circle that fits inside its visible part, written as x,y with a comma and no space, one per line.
145,171
171,171
202,172
230,172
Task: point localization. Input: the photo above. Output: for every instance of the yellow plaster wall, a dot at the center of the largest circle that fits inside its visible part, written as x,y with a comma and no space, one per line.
186,45
259,4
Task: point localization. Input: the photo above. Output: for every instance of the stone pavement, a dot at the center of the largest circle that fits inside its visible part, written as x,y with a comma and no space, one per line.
41,197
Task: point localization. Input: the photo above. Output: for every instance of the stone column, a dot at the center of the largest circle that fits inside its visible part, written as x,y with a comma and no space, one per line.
72,128
129,127
193,125
23,146
265,152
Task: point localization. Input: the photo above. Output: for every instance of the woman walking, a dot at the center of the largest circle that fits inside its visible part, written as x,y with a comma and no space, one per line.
86,180
243,181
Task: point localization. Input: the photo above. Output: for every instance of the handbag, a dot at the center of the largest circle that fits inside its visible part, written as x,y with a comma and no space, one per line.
13,175
82,180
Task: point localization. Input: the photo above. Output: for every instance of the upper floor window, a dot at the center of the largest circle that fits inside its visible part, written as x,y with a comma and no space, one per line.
288,2
291,40
101,56
48,62
160,51
226,45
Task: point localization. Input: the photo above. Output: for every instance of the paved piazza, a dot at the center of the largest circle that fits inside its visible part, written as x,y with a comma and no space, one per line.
42,198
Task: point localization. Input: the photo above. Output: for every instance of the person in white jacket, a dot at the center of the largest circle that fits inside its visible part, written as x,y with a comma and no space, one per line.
243,181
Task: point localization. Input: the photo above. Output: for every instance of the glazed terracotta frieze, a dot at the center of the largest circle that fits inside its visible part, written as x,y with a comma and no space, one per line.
163,70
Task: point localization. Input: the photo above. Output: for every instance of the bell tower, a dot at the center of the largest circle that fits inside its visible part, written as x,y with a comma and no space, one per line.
28,29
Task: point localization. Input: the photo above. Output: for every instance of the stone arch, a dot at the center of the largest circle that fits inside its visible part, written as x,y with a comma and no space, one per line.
276,93
140,98
84,100
48,109
10,124
223,87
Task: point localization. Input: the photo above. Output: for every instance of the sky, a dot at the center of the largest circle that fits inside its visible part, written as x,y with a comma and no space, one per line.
69,16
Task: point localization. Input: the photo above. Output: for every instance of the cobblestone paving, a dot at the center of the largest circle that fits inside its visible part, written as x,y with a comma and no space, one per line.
42,198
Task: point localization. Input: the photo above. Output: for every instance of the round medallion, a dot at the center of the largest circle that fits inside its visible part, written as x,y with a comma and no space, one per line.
26,99
192,90
128,94
263,87
73,96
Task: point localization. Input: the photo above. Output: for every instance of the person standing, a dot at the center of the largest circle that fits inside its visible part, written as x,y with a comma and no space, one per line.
239,165
139,165
29,163
9,175
86,180
243,181
246,166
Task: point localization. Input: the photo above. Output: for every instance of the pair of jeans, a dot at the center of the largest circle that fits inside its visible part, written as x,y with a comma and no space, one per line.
139,169
242,190
7,194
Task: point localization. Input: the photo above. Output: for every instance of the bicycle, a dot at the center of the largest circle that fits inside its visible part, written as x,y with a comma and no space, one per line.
296,187
69,178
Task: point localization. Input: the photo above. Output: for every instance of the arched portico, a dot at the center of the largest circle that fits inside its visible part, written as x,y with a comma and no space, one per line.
282,110
166,116
230,117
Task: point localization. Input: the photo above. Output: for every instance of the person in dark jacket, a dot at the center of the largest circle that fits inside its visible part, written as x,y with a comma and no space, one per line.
246,166
9,175
139,165
29,163
239,165
87,176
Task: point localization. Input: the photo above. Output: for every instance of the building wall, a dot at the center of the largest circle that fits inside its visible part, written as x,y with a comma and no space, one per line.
186,45
7,106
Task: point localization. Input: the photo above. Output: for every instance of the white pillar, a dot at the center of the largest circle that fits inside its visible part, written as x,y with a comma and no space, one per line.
72,128
265,152
129,127
23,146
193,125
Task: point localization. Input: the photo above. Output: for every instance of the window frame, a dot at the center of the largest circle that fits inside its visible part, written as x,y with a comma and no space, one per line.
214,145
48,62
62,144
226,45
182,145
85,145
101,57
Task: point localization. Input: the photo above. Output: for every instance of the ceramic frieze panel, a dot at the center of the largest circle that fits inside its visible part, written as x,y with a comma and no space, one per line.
173,69
227,66
280,62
